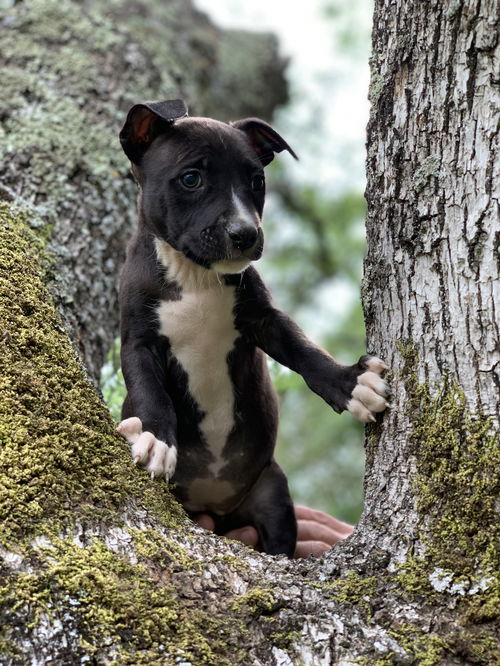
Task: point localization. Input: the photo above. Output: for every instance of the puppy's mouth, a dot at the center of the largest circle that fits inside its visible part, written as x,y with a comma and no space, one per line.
226,260
240,259
231,266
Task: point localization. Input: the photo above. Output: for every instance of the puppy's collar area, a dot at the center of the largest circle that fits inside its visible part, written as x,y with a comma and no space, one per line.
191,276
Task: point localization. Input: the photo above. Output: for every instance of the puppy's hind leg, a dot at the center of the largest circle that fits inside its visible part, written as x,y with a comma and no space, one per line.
269,508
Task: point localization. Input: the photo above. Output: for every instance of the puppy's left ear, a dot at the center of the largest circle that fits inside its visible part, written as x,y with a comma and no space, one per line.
264,140
145,122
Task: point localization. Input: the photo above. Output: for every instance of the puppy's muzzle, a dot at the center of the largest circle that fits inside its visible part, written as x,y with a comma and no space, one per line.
242,234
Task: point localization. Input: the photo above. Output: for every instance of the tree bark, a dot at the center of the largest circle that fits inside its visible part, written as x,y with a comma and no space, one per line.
431,272
99,563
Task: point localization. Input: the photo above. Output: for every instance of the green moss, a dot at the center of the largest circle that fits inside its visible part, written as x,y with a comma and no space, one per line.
456,482
354,589
258,601
60,457
457,457
422,649
457,454
475,646
425,649
285,640
63,147
62,463
262,604
66,136
430,649
106,600
151,547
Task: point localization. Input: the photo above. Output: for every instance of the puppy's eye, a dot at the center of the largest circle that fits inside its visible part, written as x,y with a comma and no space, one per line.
258,183
191,180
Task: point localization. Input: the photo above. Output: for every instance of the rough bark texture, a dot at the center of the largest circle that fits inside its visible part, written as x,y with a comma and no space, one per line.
433,170
430,286
431,274
98,563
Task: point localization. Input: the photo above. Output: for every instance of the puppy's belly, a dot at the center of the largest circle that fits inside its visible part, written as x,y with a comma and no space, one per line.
201,490
211,494
200,329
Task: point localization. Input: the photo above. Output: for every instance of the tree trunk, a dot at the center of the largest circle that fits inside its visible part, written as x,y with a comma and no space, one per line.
99,563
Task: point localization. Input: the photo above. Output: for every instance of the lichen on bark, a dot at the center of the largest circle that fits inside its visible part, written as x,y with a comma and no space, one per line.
71,558
457,457
94,554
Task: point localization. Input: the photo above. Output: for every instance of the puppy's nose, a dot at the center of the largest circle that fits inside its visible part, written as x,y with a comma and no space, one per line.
242,234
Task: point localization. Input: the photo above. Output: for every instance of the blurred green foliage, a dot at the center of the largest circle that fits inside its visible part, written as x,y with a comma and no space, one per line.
344,16
112,382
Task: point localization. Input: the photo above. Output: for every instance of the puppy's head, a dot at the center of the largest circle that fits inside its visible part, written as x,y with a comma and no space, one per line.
202,181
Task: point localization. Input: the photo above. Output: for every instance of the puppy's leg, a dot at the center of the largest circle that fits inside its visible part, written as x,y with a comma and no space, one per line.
149,421
269,508
359,388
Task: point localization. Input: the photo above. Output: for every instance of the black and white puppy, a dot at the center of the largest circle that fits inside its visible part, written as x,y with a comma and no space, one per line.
197,322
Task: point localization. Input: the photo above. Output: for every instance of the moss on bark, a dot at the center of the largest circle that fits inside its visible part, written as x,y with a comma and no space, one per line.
70,71
59,454
63,466
456,489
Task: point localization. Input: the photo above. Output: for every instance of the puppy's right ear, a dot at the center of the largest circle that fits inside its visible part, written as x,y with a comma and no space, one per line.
145,122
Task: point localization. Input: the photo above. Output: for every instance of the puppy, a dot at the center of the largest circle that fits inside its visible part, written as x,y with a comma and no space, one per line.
197,323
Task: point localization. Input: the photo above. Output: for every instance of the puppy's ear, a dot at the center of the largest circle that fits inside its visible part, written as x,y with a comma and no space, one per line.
264,140
145,122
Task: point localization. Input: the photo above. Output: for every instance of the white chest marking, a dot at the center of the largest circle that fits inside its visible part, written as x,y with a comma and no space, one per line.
200,329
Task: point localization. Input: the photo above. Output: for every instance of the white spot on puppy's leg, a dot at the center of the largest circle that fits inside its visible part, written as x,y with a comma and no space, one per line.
369,394
158,458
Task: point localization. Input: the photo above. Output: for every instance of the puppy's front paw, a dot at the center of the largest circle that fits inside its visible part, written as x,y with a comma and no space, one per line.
156,456
369,395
